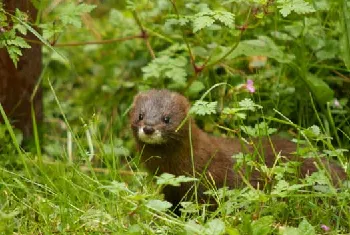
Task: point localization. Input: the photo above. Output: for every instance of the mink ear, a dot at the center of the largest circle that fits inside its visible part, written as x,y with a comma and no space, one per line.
132,109
185,103
137,99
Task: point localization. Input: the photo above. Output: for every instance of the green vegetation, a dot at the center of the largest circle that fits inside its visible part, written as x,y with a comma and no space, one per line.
250,67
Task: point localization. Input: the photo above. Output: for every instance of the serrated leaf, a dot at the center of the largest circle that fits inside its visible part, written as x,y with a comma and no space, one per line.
202,22
159,205
202,108
298,6
248,104
20,28
177,74
208,17
70,14
49,30
18,42
259,129
14,53
227,18
166,67
283,188
183,21
46,43
170,179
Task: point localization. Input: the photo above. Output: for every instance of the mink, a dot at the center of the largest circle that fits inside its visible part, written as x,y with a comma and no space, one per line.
155,118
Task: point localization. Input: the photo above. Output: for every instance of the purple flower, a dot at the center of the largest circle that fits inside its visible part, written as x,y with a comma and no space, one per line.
325,227
250,86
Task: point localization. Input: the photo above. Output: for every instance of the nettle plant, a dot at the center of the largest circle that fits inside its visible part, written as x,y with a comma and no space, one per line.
14,27
12,31
278,48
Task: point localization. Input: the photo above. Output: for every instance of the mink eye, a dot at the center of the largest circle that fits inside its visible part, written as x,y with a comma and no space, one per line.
140,116
166,119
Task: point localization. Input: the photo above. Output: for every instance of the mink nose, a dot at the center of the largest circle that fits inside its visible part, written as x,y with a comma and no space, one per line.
148,130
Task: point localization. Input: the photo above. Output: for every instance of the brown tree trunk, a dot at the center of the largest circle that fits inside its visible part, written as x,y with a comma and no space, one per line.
17,84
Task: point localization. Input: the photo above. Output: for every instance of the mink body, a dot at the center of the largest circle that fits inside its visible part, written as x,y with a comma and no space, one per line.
155,116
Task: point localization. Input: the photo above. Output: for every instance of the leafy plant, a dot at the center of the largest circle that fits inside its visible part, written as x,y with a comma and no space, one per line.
249,67
9,37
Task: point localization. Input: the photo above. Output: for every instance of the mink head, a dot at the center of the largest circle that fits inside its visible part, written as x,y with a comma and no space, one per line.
156,115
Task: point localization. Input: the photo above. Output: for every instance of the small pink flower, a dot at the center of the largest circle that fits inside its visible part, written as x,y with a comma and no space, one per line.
336,103
250,86
325,227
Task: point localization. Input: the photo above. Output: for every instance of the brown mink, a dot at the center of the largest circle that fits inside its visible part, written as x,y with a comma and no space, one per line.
155,116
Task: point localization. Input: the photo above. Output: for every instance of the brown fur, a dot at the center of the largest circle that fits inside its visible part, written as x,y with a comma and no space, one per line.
212,155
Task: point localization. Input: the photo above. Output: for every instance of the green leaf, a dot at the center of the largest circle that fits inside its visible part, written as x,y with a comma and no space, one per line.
196,87
315,130
49,30
263,46
317,178
177,74
208,17
319,89
167,67
306,228
248,104
169,179
329,51
227,18
203,108
201,22
20,28
215,227
29,28
283,188
159,205
191,227
14,53
18,42
289,231
298,6
260,129
116,187
70,13
263,226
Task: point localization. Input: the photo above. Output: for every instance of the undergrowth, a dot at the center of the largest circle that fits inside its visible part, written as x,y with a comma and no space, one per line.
250,68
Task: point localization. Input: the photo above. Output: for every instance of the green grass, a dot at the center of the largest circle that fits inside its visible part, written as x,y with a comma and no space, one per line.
46,196
83,176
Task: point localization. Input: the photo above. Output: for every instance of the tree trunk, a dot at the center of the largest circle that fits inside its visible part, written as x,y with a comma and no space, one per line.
17,85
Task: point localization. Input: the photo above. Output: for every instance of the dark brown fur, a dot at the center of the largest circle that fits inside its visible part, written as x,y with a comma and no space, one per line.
212,155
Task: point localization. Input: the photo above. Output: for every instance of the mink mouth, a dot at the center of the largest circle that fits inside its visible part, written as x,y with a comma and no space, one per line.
155,138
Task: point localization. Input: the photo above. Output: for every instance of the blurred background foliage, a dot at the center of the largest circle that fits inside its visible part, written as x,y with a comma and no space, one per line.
293,54
298,62
292,57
